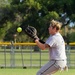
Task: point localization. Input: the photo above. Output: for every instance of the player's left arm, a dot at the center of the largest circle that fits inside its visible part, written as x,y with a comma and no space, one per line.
32,32
42,46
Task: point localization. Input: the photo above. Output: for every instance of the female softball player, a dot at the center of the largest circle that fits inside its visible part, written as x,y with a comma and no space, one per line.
56,46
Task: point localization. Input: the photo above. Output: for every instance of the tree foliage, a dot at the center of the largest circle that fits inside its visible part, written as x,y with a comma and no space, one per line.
37,13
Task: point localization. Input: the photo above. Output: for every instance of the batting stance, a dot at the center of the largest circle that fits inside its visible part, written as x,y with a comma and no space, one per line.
56,45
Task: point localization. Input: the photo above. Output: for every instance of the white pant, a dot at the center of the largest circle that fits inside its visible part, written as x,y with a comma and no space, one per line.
51,67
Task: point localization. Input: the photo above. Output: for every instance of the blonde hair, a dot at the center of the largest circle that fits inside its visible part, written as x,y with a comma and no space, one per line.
56,24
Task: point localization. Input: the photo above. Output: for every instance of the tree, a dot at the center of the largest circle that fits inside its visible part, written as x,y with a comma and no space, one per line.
72,38
37,13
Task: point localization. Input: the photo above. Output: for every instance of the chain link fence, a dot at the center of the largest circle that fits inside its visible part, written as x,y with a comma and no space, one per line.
28,55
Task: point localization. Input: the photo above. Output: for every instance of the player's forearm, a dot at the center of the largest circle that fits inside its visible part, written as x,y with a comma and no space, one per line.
40,45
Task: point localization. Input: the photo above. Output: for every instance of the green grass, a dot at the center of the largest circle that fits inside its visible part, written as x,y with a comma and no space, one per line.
35,56
31,72
30,57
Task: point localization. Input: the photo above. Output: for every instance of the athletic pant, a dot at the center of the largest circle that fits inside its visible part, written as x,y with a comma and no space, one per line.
51,67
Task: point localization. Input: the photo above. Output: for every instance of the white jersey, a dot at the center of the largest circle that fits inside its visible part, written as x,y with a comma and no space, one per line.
57,47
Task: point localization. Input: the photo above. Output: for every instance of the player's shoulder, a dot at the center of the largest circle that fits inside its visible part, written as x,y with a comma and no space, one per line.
57,35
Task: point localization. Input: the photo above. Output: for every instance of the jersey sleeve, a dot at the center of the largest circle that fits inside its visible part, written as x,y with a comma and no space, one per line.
50,41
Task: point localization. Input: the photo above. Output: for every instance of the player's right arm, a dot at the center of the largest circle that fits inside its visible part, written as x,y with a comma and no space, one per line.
42,46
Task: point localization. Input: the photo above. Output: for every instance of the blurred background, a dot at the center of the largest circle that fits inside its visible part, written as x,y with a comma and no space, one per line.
17,49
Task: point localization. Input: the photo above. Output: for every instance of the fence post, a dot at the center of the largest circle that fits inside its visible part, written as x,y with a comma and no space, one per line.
5,55
68,55
40,58
12,54
31,58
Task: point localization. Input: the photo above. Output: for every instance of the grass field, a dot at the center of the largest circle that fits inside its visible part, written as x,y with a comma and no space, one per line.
30,58
31,72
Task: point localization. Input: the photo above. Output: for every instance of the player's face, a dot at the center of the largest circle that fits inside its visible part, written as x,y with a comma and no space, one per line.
52,30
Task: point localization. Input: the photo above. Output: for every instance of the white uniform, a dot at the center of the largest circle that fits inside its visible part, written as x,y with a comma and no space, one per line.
57,55
57,50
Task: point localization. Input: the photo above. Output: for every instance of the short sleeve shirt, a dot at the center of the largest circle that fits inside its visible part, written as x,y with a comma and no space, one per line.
57,47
